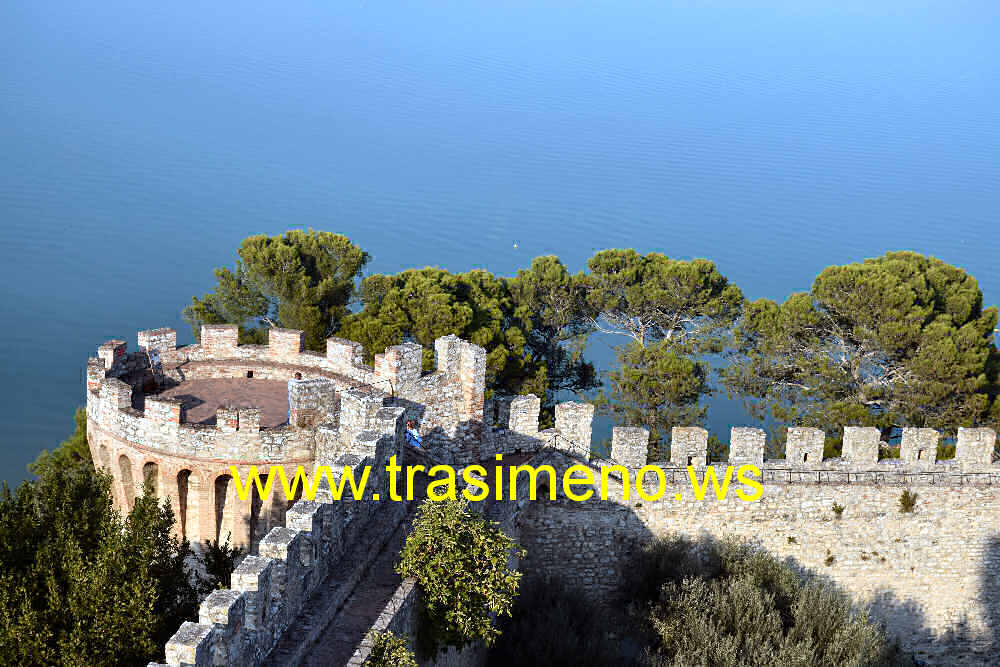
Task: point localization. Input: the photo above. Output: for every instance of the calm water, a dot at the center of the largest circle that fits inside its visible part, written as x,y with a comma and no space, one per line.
140,143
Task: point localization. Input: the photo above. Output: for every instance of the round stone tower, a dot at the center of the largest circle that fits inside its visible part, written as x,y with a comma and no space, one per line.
178,418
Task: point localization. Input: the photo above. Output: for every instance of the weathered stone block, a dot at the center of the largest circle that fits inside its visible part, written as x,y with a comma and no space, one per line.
227,419
804,446
399,364
112,352
95,373
524,412
746,446
919,447
219,339
191,646
689,446
344,355
160,340
861,444
975,446
574,421
249,420
629,446
284,345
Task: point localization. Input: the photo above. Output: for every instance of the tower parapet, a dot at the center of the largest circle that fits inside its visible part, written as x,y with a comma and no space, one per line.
219,404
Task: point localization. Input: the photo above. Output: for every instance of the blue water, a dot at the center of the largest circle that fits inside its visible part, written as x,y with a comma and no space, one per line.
139,143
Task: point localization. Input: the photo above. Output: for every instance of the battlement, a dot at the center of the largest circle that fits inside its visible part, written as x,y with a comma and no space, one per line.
209,407
747,445
320,537
338,389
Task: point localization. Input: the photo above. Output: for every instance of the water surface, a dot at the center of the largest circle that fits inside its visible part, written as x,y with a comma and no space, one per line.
141,143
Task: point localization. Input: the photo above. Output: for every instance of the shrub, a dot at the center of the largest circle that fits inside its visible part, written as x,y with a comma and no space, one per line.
888,451
664,559
554,624
907,501
459,560
757,611
388,650
219,561
838,510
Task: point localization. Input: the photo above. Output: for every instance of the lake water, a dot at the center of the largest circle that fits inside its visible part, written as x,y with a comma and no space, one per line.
139,143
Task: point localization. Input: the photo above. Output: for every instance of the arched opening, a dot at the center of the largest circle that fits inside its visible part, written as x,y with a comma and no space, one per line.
257,527
224,509
128,484
151,477
183,487
805,457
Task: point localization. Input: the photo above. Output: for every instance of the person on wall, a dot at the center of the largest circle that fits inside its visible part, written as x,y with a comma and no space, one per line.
297,378
412,434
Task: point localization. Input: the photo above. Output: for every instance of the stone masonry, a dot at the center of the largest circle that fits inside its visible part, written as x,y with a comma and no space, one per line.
929,574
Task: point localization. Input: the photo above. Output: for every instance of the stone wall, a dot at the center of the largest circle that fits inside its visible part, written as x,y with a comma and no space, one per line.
930,574
401,616
242,625
337,401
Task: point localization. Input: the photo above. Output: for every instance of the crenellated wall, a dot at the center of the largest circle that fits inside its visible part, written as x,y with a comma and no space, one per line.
930,573
933,574
140,435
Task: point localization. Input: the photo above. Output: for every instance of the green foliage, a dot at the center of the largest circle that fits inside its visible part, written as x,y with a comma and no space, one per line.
554,624
301,280
674,311
657,387
219,561
899,340
388,650
907,501
838,510
460,562
888,452
728,604
82,585
553,305
529,325
652,297
72,452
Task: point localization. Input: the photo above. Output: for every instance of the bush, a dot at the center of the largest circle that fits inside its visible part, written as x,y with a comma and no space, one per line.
388,650
838,510
665,559
82,584
554,624
220,561
459,560
755,610
907,501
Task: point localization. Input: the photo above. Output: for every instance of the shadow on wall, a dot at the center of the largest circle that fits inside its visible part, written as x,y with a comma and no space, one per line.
969,641
598,546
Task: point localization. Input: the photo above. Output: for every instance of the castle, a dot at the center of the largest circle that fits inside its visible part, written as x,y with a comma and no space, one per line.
931,575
